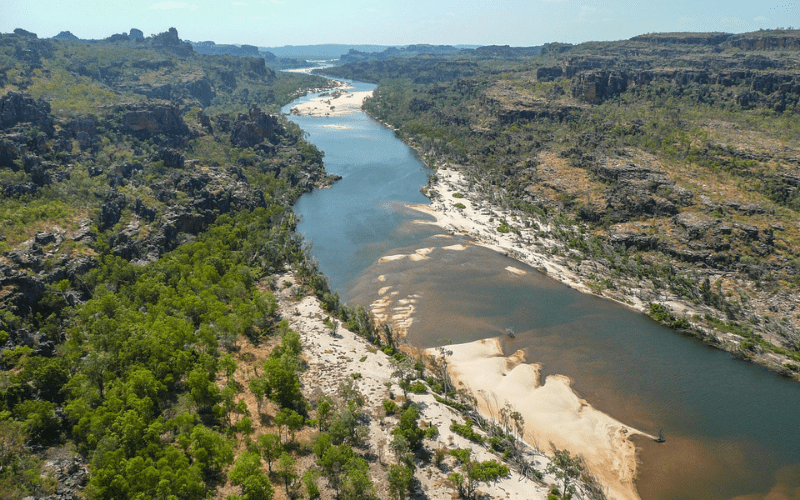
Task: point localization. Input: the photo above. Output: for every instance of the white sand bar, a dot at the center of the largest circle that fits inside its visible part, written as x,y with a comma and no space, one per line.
553,412
337,102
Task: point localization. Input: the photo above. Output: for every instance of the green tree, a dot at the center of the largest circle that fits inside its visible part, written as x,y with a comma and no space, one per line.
334,462
246,465
286,471
210,450
290,419
409,428
565,468
256,486
400,480
270,447
202,388
258,388
324,411
310,483
282,383
322,443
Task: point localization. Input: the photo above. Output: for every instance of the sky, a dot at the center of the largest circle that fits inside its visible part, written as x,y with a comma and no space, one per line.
275,23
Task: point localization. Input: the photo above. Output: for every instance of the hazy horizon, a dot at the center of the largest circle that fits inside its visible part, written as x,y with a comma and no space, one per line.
276,23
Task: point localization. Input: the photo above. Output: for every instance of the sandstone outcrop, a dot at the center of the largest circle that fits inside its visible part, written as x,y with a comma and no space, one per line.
153,119
254,128
16,107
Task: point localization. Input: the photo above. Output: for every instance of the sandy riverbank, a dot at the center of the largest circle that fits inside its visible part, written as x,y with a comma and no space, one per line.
334,358
553,412
457,214
337,102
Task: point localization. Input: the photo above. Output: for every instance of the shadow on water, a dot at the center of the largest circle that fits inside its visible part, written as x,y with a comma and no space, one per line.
733,429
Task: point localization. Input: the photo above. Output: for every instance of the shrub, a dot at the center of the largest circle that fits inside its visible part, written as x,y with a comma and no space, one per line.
418,388
390,407
661,313
466,431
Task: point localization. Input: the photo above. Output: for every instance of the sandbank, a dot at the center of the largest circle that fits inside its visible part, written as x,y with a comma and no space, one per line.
337,102
481,221
553,412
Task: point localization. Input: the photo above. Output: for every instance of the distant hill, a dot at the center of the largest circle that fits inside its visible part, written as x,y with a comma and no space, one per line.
216,49
335,51
322,51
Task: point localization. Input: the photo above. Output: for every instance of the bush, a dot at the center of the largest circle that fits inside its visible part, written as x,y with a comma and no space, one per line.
418,388
466,431
390,407
661,313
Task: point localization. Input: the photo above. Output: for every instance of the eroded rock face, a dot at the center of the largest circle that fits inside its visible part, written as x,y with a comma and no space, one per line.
254,128
24,291
169,40
155,119
71,475
83,129
549,74
201,90
597,86
9,152
170,157
16,107
111,210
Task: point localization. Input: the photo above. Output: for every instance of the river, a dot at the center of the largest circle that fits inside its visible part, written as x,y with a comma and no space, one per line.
732,428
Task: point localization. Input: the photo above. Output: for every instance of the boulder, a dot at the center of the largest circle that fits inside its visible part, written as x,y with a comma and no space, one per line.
122,172
253,128
22,291
695,225
170,41
16,107
171,158
597,86
549,74
111,210
9,151
201,90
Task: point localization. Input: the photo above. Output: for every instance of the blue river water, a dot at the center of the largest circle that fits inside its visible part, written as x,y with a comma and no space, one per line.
732,428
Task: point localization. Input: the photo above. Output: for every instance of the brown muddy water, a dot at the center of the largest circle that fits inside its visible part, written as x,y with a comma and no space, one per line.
732,429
